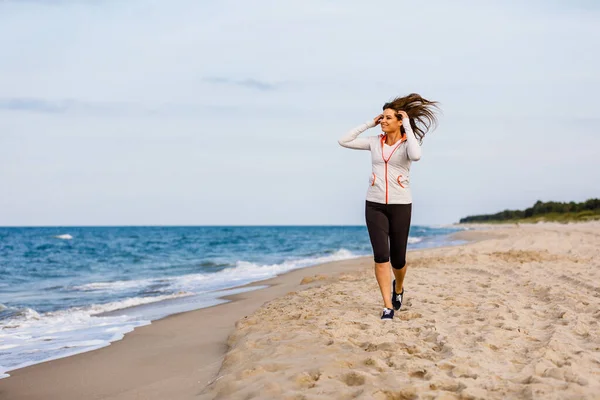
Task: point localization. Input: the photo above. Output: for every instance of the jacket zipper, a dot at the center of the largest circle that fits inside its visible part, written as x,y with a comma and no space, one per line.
386,162
386,182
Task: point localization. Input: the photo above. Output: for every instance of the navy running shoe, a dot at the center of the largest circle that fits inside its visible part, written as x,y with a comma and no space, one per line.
388,314
396,297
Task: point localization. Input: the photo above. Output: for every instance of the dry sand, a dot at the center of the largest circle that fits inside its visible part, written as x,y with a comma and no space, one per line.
512,317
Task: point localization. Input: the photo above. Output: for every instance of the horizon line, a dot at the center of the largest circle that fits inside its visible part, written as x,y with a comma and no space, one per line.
204,226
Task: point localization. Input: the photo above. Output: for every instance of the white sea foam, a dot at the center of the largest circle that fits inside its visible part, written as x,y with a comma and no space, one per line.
413,240
29,337
243,272
119,305
114,286
65,236
453,226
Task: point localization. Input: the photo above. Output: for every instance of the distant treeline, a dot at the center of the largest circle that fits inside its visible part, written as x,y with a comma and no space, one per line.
551,210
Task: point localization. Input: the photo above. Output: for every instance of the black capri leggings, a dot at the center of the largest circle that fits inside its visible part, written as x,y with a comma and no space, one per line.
388,221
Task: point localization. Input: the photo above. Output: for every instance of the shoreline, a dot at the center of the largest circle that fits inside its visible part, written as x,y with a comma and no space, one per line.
76,372
107,372
147,313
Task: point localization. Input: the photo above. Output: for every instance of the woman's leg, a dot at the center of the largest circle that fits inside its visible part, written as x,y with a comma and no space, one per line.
378,227
384,279
399,228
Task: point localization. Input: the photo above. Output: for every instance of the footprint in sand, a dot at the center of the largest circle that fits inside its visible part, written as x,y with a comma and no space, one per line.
421,374
353,379
308,379
409,315
361,325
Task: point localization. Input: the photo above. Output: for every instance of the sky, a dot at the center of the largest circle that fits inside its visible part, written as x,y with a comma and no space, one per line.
190,112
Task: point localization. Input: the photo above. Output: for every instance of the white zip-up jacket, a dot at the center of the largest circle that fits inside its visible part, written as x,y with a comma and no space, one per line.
390,178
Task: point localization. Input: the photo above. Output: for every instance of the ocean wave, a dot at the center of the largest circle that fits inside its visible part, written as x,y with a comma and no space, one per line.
212,264
413,240
24,316
243,272
95,309
246,272
118,286
65,236
11,313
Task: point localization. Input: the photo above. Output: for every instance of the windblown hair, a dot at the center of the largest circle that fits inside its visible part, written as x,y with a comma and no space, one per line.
420,111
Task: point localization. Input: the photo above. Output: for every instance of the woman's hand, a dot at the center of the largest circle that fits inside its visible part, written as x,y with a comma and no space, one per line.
377,119
403,114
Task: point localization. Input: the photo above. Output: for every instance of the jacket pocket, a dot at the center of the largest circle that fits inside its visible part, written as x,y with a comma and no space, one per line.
372,180
402,181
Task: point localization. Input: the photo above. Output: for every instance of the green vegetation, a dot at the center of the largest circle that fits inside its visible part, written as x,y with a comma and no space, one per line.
543,211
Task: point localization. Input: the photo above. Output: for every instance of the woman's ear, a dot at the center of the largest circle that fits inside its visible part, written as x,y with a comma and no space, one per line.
399,117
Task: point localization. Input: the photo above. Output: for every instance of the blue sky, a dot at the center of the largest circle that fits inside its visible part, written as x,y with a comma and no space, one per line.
194,113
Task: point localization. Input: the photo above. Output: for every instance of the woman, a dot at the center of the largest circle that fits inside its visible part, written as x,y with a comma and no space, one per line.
404,123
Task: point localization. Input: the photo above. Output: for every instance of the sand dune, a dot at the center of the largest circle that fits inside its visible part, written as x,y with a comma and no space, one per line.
516,316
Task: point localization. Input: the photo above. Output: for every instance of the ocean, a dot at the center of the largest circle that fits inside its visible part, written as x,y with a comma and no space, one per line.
66,290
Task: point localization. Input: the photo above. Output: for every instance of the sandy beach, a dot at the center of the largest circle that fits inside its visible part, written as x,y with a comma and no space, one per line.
512,316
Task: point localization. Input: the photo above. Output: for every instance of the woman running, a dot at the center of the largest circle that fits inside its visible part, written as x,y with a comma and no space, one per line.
404,123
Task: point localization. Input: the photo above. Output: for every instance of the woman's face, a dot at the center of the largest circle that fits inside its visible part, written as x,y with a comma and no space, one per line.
389,123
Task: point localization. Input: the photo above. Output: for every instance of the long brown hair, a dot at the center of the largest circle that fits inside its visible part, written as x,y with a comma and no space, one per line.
421,113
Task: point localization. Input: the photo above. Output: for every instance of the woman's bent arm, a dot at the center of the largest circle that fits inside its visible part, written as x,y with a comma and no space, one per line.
352,141
413,148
